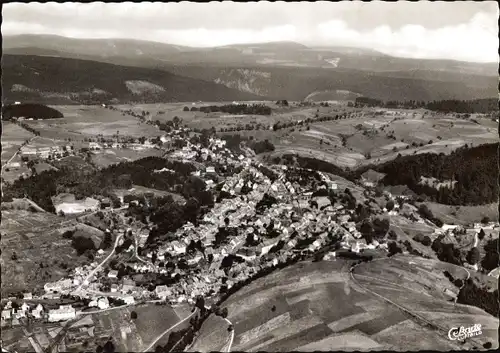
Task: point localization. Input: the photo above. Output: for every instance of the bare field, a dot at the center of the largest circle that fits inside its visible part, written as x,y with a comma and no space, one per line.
136,335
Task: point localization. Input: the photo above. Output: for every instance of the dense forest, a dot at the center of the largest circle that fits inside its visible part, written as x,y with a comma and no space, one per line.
314,164
245,109
30,110
475,170
41,187
486,105
471,294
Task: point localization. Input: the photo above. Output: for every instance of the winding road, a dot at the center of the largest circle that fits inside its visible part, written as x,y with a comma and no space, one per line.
92,273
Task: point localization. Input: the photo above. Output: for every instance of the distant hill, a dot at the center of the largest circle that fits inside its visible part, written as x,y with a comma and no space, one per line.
281,69
274,54
53,80
298,83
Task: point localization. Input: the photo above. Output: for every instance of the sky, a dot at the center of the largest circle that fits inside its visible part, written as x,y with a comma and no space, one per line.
459,30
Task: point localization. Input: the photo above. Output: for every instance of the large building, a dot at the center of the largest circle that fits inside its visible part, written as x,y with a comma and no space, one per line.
65,312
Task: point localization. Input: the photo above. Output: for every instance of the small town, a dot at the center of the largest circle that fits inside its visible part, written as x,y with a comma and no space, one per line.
272,220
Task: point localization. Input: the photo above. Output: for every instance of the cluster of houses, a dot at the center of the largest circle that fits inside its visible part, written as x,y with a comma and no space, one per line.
13,314
46,152
296,217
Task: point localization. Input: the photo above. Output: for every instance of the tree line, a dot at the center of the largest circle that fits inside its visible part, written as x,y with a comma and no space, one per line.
486,105
30,110
244,109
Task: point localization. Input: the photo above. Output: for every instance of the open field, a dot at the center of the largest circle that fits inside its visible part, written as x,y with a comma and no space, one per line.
81,122
317,306
35,238
408,128
463,214
135,335
212,337
141,190
108,157
13,136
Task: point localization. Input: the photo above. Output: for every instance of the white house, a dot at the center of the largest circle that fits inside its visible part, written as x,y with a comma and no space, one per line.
129,299
113,274
6,314
163,291
446,227
65,312
178,248
103,303
37,312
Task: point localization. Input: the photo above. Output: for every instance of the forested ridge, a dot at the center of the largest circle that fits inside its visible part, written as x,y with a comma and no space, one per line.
475,170
485,105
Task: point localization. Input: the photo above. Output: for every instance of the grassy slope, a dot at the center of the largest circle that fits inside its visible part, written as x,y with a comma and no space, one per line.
318,302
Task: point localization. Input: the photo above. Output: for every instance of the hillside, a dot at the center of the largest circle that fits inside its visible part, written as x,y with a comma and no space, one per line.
475,170
294,83
53,80
391,304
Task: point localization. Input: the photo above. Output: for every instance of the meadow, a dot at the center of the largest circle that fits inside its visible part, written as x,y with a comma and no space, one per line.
82,122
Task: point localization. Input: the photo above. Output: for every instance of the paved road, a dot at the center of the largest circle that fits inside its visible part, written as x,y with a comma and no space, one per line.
231,338
92,273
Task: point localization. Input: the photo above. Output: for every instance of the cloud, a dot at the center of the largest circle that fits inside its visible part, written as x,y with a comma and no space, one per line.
476,40
461,30
203,37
